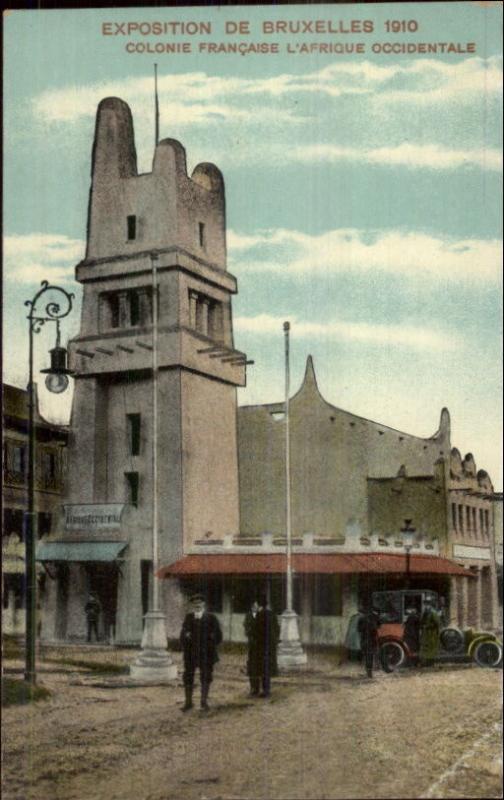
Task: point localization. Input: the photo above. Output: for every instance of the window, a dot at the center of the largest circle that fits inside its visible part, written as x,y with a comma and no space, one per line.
126,309
18,459
13,586
113,303
244,592
468,518
326,596
49,467
487,521
215,322
13,522
454,515
206,315
201,232
461,518
481,521
131,220
133,421
474,521
134,308
132,481
44,524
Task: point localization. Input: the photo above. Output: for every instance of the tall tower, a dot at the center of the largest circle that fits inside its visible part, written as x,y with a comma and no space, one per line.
180,220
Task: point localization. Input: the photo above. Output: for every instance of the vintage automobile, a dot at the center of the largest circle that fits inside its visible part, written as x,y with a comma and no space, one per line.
455,645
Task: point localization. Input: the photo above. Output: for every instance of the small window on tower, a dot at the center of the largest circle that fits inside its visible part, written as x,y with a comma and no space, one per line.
134,308
132,481
113,302
201,228
131,227
133,434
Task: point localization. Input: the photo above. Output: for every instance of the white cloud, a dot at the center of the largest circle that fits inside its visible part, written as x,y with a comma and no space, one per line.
189,99
34,257
411,254
391,335
431,156
197,97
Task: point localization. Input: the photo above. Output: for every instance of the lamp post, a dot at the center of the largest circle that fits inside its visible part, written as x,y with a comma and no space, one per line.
53,308
290,651
408,534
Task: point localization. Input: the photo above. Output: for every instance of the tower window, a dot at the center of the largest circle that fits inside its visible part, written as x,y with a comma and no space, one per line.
133,434
134,308
201,232
113,303
132,481
131,220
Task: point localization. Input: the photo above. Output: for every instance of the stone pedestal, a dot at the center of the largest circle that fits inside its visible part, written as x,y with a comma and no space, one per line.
154,664
290,652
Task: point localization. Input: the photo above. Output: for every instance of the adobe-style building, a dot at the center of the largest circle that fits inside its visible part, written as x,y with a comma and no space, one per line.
50,451
354,482
104,542
221,470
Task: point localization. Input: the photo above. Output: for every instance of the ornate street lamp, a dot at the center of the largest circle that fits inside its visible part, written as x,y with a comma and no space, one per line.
408,534
51,309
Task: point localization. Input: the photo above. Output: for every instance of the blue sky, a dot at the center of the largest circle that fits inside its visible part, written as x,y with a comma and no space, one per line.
363,196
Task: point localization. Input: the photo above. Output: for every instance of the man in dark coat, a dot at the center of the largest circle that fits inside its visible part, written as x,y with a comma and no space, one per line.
368,629
412,630
200,637
263,633
429,634
250,627
92,611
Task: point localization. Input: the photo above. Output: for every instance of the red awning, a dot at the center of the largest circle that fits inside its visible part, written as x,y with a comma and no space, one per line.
316,563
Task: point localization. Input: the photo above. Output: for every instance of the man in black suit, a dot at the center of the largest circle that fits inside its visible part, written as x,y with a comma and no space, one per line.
368,629
263,641
200,637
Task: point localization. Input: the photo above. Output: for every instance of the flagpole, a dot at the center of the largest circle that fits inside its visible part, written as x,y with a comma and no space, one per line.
286,328
155,546
290,651
156,107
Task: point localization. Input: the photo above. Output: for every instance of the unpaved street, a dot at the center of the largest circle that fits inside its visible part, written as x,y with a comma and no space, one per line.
326,733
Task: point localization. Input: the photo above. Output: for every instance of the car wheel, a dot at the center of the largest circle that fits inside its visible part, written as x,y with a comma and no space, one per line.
392,656
488,654
452,640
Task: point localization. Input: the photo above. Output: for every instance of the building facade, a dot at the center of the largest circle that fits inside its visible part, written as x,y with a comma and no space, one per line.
354,483
155,241
50,465
156,324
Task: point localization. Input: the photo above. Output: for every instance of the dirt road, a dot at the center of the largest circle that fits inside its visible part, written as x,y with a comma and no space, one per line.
327,733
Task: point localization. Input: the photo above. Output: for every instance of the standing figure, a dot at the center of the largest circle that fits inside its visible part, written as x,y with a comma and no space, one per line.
250,626
92,611
412,630
200,637
368,629
263,653
429,634
442,612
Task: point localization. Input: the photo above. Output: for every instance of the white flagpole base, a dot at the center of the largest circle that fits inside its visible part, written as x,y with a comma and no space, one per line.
290,651
154,664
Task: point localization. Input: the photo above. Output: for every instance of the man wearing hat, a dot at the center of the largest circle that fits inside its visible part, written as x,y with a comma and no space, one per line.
200,637
262,633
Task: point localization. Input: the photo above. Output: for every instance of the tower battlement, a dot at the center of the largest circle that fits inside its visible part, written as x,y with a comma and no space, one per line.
131,213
